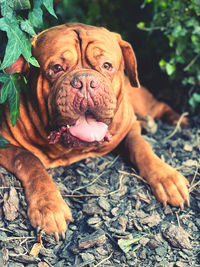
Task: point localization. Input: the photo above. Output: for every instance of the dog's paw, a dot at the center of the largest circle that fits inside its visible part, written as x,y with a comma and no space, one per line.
50,213
170,186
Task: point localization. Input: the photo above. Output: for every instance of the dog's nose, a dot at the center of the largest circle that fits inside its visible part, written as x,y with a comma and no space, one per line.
84,81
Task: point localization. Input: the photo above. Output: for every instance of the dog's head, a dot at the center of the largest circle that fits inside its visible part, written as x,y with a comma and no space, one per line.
84,67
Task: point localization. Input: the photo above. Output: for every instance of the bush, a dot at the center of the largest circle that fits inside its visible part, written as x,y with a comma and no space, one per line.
178,20
19,20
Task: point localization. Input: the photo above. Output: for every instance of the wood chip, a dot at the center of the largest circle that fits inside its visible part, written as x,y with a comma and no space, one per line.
11,205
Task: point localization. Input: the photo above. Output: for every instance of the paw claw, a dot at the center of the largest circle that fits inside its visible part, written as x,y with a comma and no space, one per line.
188,202
182,206
38,229
56,236
63,235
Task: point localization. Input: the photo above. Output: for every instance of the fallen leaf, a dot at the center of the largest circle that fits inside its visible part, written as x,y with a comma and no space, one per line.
35,249
11,205
126,244
177,236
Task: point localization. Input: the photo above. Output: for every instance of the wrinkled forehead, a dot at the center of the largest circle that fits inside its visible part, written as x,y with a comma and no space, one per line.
58,40
51,42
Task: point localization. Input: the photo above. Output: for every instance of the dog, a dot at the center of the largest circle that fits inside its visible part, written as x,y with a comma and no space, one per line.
82,104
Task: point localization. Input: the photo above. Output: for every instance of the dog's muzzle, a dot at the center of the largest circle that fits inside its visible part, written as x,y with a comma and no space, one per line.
85,104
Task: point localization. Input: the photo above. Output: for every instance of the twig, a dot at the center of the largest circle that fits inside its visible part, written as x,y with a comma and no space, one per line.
6,230
193,186
7,187
105,259
177,126
94,180
191,62
133,174
47,262
19,237
151,28
178,220
99,195
195,174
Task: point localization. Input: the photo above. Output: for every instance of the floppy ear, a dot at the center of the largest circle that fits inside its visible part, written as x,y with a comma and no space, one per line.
20,65
129,60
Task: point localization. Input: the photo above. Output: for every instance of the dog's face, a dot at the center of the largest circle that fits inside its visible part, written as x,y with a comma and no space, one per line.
84,66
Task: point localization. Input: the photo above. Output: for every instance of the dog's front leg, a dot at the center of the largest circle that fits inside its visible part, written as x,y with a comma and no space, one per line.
167,184
46,208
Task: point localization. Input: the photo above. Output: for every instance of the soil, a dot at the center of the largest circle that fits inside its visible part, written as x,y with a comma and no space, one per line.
117,220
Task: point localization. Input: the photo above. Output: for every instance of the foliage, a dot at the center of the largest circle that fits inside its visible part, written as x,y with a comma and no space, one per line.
178,20
126,244
19,20
10,93
3,142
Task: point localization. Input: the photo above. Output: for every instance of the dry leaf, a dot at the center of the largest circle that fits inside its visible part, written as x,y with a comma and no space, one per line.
35,249
43,264
11,205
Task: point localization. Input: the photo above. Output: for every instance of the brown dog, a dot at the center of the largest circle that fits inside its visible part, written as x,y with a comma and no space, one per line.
80,104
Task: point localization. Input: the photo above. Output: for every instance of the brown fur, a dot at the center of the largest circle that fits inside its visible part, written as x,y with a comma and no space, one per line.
82,49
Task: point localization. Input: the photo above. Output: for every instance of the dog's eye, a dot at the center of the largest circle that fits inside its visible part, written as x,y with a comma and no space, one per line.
56,68
107,66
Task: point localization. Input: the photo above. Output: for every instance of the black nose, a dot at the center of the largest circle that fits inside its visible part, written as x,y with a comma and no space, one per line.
84,81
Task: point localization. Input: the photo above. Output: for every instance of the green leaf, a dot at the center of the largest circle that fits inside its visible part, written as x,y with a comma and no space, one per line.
171,40
181,45
10,94
162,63
34,62
195,39
37,3
6,8
18,43
27,27
49,6
3,142
21,4
194,100
5,91
180,59
13,101
4,77
170,69
13,49
126,244
35,17
141,25
191,80
191,22
178,31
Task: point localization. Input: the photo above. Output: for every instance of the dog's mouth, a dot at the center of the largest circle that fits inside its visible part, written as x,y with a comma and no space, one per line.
87,131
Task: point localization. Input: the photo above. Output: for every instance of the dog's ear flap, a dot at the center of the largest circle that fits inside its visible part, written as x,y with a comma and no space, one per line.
20,65
129,60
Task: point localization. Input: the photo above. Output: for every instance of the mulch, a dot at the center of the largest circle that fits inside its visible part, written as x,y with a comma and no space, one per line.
117,220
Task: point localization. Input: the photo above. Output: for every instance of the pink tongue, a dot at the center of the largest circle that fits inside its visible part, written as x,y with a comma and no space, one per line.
88,129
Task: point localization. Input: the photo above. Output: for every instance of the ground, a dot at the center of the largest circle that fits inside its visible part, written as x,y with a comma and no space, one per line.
117,220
